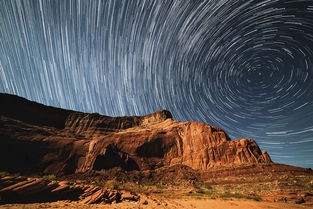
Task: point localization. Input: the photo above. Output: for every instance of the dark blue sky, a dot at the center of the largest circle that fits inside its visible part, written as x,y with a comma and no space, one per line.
246,66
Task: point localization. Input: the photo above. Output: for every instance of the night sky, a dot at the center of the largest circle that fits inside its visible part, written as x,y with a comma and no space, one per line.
243,65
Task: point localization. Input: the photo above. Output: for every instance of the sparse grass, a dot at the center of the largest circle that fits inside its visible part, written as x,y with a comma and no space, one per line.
148,188
200,194
229,188
309,186
50,177
3,173
208,187
304,181
227,195
160,185
225,192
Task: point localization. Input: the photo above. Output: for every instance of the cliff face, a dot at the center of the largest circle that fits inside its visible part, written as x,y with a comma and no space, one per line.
37,138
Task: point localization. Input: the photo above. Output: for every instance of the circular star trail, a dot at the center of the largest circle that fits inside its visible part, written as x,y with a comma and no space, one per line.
246,66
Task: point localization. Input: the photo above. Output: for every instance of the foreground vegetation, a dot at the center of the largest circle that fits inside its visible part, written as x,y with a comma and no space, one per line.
251,187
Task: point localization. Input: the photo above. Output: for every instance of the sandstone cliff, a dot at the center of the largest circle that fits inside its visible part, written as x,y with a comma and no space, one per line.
38,138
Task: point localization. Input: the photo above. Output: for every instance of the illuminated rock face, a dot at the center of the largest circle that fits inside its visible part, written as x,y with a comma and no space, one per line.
38,138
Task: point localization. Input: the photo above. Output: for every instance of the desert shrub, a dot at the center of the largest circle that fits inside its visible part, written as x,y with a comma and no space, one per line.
112,184
50,177
160,185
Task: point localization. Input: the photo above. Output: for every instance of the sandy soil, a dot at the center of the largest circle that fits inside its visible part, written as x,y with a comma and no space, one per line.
187,203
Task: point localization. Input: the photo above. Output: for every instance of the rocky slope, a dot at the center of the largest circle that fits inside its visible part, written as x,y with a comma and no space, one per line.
19,189
35,138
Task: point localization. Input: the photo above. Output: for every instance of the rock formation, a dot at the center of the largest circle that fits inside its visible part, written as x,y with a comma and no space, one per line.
37,138
28,190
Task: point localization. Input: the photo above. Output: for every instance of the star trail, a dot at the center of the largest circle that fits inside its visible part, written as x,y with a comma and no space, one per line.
245,66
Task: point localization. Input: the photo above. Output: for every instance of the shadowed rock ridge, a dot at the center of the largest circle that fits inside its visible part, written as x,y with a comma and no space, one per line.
37,138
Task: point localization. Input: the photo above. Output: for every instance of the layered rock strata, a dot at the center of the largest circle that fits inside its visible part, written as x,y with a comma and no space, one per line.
38,138
28,190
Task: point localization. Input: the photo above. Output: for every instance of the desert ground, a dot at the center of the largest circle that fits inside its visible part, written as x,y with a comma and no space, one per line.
185,203
292,191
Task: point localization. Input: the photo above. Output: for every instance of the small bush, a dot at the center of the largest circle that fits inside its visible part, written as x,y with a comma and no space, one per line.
112,184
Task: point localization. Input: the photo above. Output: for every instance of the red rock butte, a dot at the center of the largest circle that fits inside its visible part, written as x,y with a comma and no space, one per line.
39,138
